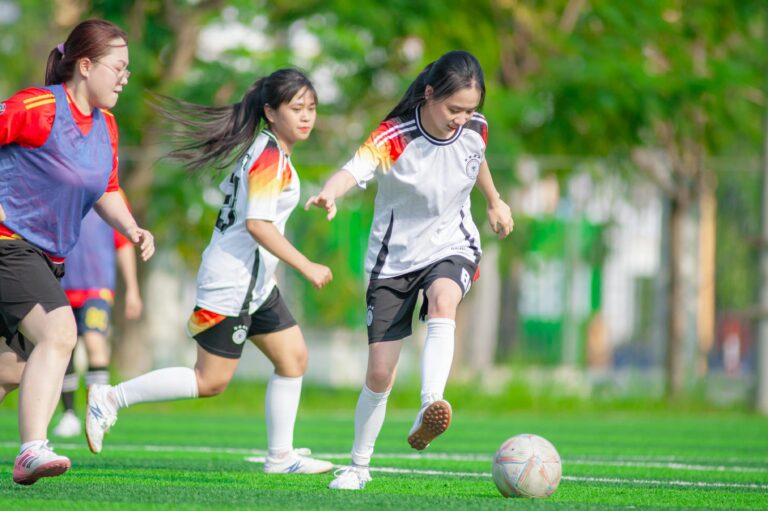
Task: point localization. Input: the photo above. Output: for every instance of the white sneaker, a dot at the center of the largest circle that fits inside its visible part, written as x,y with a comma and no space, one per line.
37,462
100,416
431,422
296,462
68,426
350,478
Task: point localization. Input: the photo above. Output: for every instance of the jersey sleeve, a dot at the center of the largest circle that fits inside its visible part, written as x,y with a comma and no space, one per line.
378,153
267,177
479,124
121,241
26,118
113,184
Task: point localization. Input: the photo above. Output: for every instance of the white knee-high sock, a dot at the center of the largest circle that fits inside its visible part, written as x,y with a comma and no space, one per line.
369,418
436,359
169,384
281,404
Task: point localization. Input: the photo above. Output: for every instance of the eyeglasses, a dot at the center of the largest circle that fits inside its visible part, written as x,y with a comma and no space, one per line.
121,75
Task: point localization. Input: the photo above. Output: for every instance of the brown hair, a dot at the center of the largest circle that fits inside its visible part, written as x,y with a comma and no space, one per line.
220,135
454,71
89,39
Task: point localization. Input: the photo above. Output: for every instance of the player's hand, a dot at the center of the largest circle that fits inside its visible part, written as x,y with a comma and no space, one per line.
325,201
144,240
500,218
317,274
2,214
133,304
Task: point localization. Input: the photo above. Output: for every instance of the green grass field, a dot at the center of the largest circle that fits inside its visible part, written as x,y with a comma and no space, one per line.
195,456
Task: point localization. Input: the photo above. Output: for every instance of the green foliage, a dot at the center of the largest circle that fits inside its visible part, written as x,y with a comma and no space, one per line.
595,86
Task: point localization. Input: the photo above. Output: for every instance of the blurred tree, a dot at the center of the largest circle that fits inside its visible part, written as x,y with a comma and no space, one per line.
662,81
665,82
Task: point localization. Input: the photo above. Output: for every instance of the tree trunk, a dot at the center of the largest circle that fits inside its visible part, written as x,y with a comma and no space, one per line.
761,394
676,315
706,288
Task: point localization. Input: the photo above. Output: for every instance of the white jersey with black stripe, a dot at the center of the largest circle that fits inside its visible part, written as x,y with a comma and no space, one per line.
422,209
236,274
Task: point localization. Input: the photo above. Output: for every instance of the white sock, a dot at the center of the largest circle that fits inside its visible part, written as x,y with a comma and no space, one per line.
369,418
71,382
167,384
98,376
436,359
32,443
281,404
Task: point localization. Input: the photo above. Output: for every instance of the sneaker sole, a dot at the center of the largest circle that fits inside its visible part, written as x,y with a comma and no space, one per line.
52,469
434,422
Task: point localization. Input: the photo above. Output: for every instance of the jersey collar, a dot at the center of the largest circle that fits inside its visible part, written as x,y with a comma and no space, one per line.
430,138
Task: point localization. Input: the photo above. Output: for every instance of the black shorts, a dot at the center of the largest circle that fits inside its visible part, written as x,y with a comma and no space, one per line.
93,316
390,302
225,335
27,278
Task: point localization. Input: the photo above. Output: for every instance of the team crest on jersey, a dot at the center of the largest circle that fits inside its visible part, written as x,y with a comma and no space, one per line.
2,108
369,316
239,334
472,165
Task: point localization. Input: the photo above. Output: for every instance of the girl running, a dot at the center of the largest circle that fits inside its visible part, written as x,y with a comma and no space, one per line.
237,297
427,154
58,159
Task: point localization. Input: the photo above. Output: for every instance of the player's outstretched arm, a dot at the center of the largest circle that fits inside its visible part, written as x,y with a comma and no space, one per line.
112,208
2,214
338,184
267,235
499,213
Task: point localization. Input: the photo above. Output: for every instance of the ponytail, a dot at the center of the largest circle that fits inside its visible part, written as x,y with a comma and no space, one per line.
54,69
211,135
219,136
447,75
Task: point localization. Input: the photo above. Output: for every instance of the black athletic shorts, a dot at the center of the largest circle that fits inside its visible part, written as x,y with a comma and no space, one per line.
225,335
93,316
391,302
27,278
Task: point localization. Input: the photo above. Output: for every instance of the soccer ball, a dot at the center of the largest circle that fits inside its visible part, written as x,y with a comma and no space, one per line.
527,466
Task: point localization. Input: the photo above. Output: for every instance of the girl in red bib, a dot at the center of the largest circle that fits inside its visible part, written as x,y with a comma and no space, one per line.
58,160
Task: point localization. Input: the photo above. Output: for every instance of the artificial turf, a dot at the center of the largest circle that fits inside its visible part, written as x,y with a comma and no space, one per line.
175,457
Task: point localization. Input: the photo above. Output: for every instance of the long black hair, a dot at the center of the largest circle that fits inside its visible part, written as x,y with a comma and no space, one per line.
220,135
450,73
90,39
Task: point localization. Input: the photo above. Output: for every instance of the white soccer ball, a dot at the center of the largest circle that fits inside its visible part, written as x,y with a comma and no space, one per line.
527,466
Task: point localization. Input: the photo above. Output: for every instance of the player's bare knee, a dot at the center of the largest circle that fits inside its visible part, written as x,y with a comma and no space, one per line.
63,342
443,305
210,386
379,379
211,389
302,359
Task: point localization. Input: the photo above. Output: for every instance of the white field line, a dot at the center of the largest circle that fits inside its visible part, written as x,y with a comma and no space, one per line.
610,480
257,455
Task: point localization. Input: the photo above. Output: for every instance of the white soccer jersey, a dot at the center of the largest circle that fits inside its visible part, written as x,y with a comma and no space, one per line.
236,273
422,209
